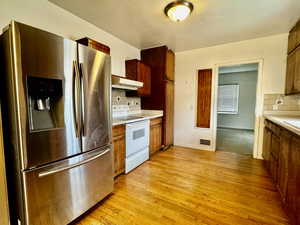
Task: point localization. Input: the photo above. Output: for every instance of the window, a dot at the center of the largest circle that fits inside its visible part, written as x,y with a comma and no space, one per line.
228,99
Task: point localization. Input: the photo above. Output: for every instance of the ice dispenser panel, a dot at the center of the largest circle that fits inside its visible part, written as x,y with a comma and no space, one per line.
46,105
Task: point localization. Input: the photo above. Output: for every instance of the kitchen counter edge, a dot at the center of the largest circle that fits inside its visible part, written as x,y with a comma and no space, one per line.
279,120
136,120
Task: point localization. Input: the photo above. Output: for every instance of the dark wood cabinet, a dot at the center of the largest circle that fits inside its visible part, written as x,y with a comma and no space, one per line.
281,151
94,44
293,187
294,37
292,85
267,145
283,163
155,135
119,147
162,63
136,70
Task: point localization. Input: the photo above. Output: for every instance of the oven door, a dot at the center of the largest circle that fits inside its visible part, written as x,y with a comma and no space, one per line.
137,137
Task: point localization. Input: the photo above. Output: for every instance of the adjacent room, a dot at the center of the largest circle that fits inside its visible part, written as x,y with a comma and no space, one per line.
139,112
237,90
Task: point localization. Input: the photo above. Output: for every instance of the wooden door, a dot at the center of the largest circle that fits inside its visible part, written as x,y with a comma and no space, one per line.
204,98
155,135
119,149
170,65
283,162
293,189
168,125
144,75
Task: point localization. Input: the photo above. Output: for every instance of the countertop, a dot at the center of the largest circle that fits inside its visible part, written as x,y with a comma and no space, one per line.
282,120
144,114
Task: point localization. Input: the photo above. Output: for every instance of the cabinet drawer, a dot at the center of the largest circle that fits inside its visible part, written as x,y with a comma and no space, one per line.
118,130
155,121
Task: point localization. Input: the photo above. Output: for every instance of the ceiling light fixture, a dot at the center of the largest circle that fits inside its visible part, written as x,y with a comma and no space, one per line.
179,10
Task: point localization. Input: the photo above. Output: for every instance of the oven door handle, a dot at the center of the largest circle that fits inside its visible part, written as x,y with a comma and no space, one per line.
60,169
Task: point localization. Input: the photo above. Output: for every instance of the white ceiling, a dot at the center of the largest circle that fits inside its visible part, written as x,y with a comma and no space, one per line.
143,24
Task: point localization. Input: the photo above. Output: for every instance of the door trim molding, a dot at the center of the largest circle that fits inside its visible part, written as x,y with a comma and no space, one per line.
257,146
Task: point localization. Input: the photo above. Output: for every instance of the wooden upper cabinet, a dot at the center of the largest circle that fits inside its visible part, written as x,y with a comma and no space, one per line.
136,70
204,98
170,65
292,85
297,72
290,73
94,44
294,37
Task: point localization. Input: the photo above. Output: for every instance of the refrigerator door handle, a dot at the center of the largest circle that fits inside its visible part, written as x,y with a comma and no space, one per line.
76,98
60,169
83,87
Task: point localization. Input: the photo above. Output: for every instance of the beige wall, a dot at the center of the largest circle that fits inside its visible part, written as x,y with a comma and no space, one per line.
270,50
47,16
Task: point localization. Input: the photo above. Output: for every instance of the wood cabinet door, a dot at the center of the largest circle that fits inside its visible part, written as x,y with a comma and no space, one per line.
273,167
168,125
293,189
144,75
296,87
267,146
283,162
119,149
155,135
170,65
290,73
292,43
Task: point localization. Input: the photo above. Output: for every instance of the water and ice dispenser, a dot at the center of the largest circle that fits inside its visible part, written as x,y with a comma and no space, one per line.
46,105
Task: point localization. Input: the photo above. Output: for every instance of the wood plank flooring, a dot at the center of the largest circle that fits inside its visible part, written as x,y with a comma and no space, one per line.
186,186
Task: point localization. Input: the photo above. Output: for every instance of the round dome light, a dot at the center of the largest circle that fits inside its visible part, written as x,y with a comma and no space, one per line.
179,10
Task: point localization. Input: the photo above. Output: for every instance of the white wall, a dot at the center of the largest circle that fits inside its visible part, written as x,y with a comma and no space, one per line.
245,118
272,50
47,16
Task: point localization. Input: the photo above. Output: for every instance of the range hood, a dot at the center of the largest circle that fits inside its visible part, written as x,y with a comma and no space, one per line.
123,83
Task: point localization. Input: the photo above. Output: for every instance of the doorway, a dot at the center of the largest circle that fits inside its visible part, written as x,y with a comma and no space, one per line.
236,103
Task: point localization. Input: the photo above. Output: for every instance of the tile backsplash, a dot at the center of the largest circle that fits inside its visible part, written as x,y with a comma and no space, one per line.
279,102
122,105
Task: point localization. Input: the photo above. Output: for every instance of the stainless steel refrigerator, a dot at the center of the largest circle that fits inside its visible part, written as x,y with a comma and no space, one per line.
56,107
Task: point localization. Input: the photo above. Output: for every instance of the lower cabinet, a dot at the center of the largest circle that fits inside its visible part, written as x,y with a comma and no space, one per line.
283,164
281,151
155,135
293,187
119,143
118,137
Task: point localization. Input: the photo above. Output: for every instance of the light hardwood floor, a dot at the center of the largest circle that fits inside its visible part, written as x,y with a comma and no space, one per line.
186,186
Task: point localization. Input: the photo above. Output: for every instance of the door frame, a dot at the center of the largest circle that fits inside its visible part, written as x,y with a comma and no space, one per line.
258,105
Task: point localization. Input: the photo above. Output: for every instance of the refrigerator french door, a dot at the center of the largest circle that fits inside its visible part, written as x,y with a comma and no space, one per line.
57,104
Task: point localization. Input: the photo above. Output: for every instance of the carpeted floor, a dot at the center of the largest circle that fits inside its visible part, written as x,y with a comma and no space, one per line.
235,140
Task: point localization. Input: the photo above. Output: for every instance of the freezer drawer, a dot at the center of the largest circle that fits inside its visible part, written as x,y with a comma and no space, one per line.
59,193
